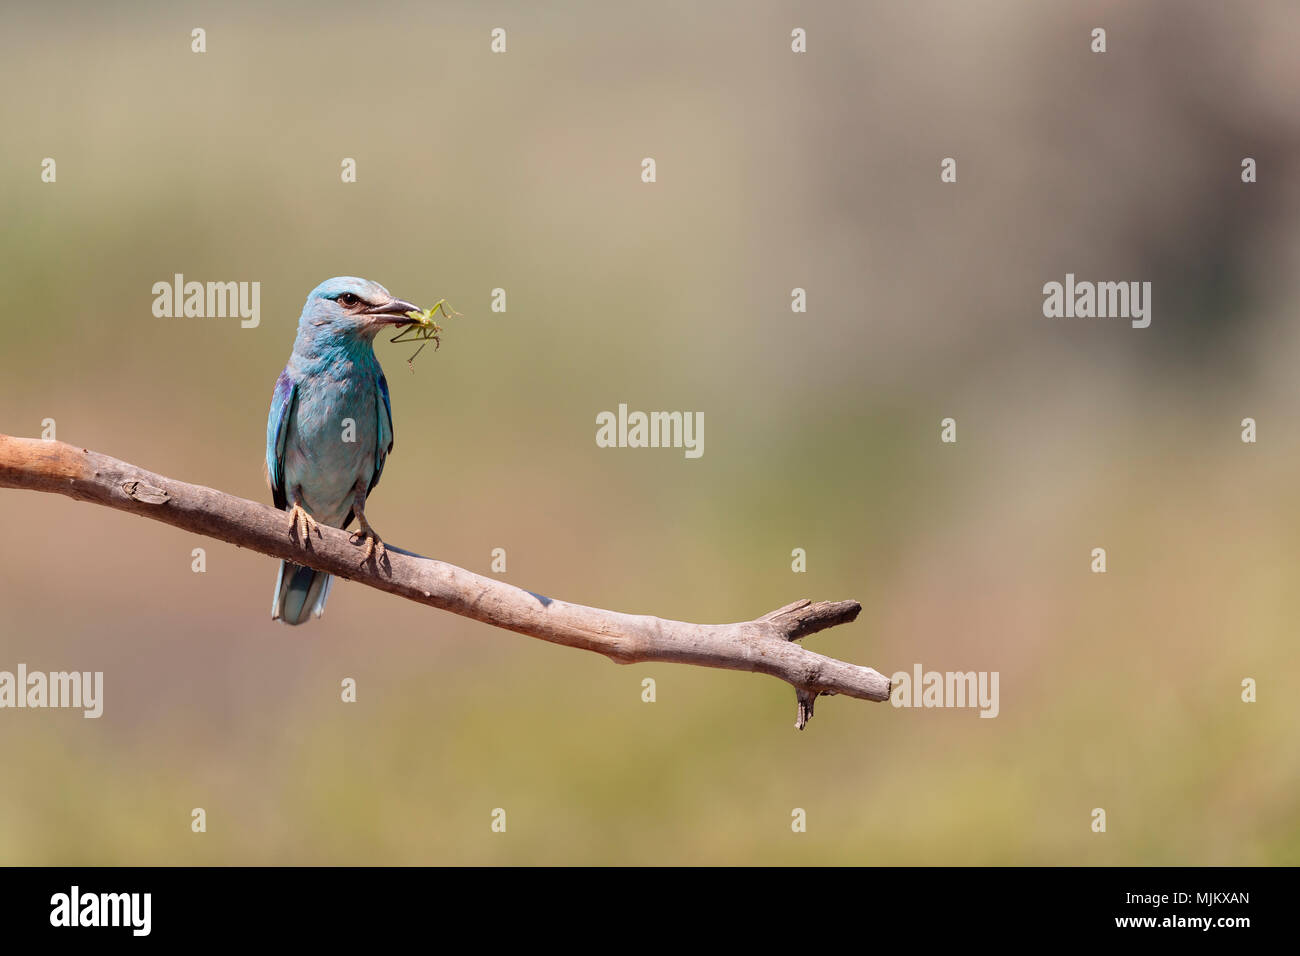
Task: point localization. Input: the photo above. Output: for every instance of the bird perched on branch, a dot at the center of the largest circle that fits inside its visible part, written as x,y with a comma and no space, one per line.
330,429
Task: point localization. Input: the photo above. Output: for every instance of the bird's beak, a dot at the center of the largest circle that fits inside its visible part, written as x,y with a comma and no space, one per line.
392,312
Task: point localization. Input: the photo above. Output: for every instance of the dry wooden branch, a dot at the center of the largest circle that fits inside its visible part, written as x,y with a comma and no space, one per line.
765,645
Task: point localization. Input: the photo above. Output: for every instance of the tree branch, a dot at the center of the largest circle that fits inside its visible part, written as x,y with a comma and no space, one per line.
765,645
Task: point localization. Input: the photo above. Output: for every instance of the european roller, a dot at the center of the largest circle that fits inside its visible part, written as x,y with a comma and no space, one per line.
330,429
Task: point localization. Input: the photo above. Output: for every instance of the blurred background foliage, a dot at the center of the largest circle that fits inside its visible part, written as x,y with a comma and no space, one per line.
775,170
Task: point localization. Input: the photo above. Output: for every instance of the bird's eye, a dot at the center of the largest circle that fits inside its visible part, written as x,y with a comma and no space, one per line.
348,299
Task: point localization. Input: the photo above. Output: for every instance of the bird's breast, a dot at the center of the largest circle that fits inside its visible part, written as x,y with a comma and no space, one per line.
331,445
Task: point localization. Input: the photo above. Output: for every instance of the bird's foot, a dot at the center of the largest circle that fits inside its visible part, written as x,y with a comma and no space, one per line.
299,518
375,550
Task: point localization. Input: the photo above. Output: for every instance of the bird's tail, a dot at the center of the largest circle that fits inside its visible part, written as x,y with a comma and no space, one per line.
299,593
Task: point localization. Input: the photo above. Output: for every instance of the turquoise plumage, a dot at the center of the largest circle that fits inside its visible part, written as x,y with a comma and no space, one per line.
330,428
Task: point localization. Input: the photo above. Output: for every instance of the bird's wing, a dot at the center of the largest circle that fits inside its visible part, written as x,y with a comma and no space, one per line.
384,432
277,431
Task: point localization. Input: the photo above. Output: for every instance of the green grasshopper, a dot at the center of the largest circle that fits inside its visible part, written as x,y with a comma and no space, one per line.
423,329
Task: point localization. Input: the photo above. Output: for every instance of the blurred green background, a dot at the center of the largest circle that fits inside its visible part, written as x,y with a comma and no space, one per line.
775,170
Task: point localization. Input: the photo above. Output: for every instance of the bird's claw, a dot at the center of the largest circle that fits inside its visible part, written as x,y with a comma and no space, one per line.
298,516
375,550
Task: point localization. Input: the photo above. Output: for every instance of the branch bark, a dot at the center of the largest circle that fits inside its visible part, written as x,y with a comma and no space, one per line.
764,645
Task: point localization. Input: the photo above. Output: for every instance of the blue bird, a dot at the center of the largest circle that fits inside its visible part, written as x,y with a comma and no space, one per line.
330,429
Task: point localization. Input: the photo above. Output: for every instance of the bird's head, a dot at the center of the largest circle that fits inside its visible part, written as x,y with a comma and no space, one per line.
352,307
